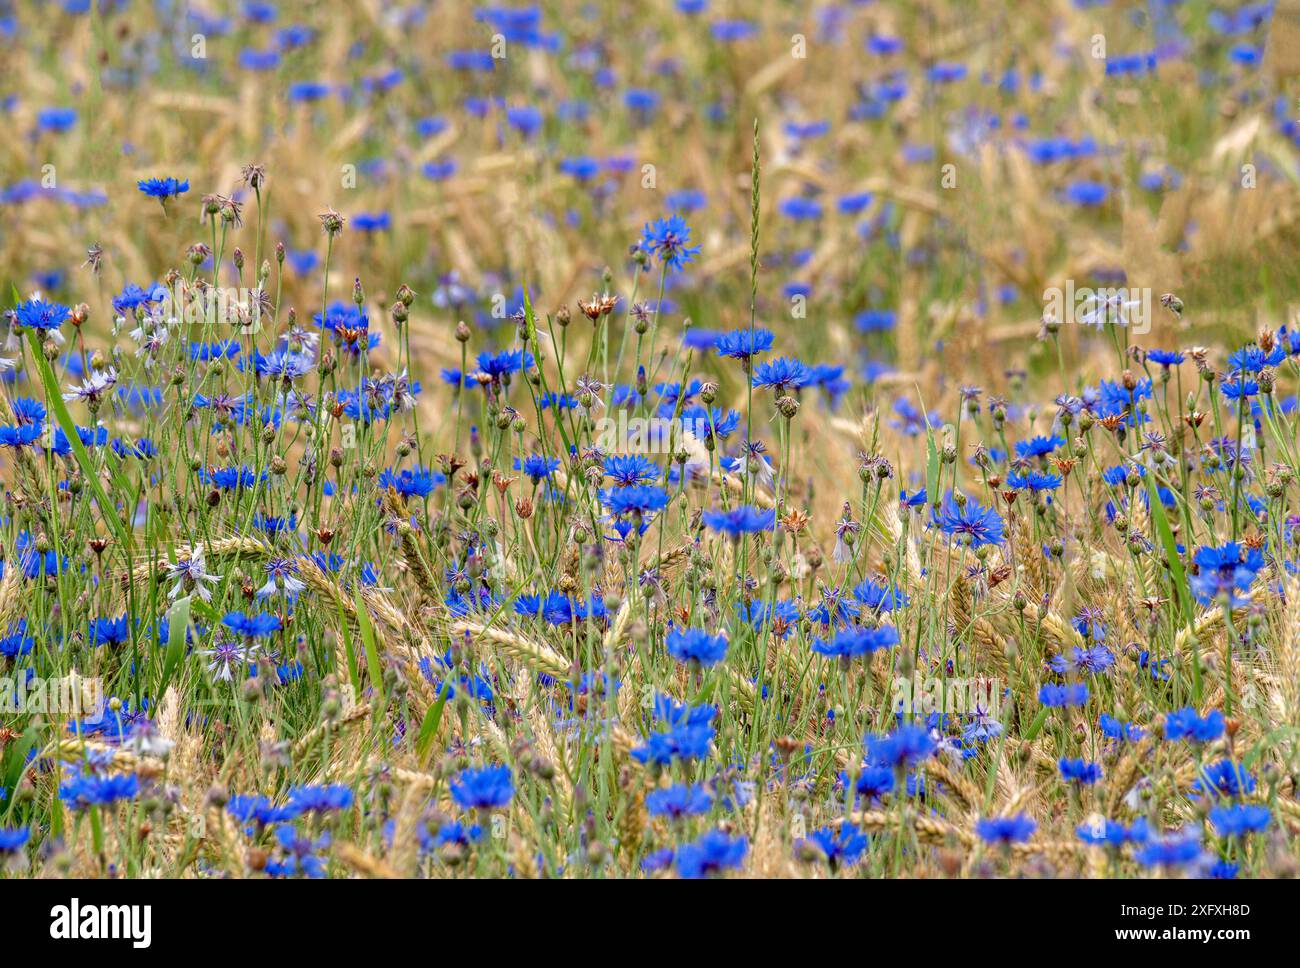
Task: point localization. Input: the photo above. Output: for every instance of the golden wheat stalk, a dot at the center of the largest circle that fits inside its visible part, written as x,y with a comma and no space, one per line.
536,655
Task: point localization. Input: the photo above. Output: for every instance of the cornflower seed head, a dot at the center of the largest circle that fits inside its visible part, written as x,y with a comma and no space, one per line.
253,175
331,222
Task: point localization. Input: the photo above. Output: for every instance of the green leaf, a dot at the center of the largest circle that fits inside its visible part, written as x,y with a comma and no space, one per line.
429,725
206,612
107,509
1036,726
931,466
1166,533
15,760
530,321
368,643
354,673
178,623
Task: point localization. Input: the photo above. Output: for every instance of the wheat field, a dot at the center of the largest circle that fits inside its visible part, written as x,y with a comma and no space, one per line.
721,440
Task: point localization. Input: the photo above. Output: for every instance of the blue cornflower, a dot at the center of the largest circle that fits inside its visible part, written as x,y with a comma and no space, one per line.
1240,819
412,482
82,790
142,449
528,605
688,737
630,470
57,120
557,609
838,846
849,643
560,401
1165,358
489,788
945,72
1034,481
800,208
12,840
910,420
110,631
300,854
1092,660
1088,194
1224,779
917,499
27,411
282,364
1253,359
581,167
17,642
35,563
1185,724
1058,697
1079,771
834,608
1238,388
259,60
741,344
1038,446
455,832
319,799
853,204
1112,833
220,350
643,499
132,297
1116,729
364,405
905,747
875,320
679,801
504,363
873,782
781,615
879,597
23,435
713,853
696,646
745,519
667,238
1117,476
372,221
731,31
274,524
781,374
705,423
308,91
42,315
537,467
1006,830
525,119
658,860
252,626
1178,850
969,522
1223,573
230,478
163,188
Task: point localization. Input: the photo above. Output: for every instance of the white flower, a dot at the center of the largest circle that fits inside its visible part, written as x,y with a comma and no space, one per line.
281,572
94,387
226,655
191,573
